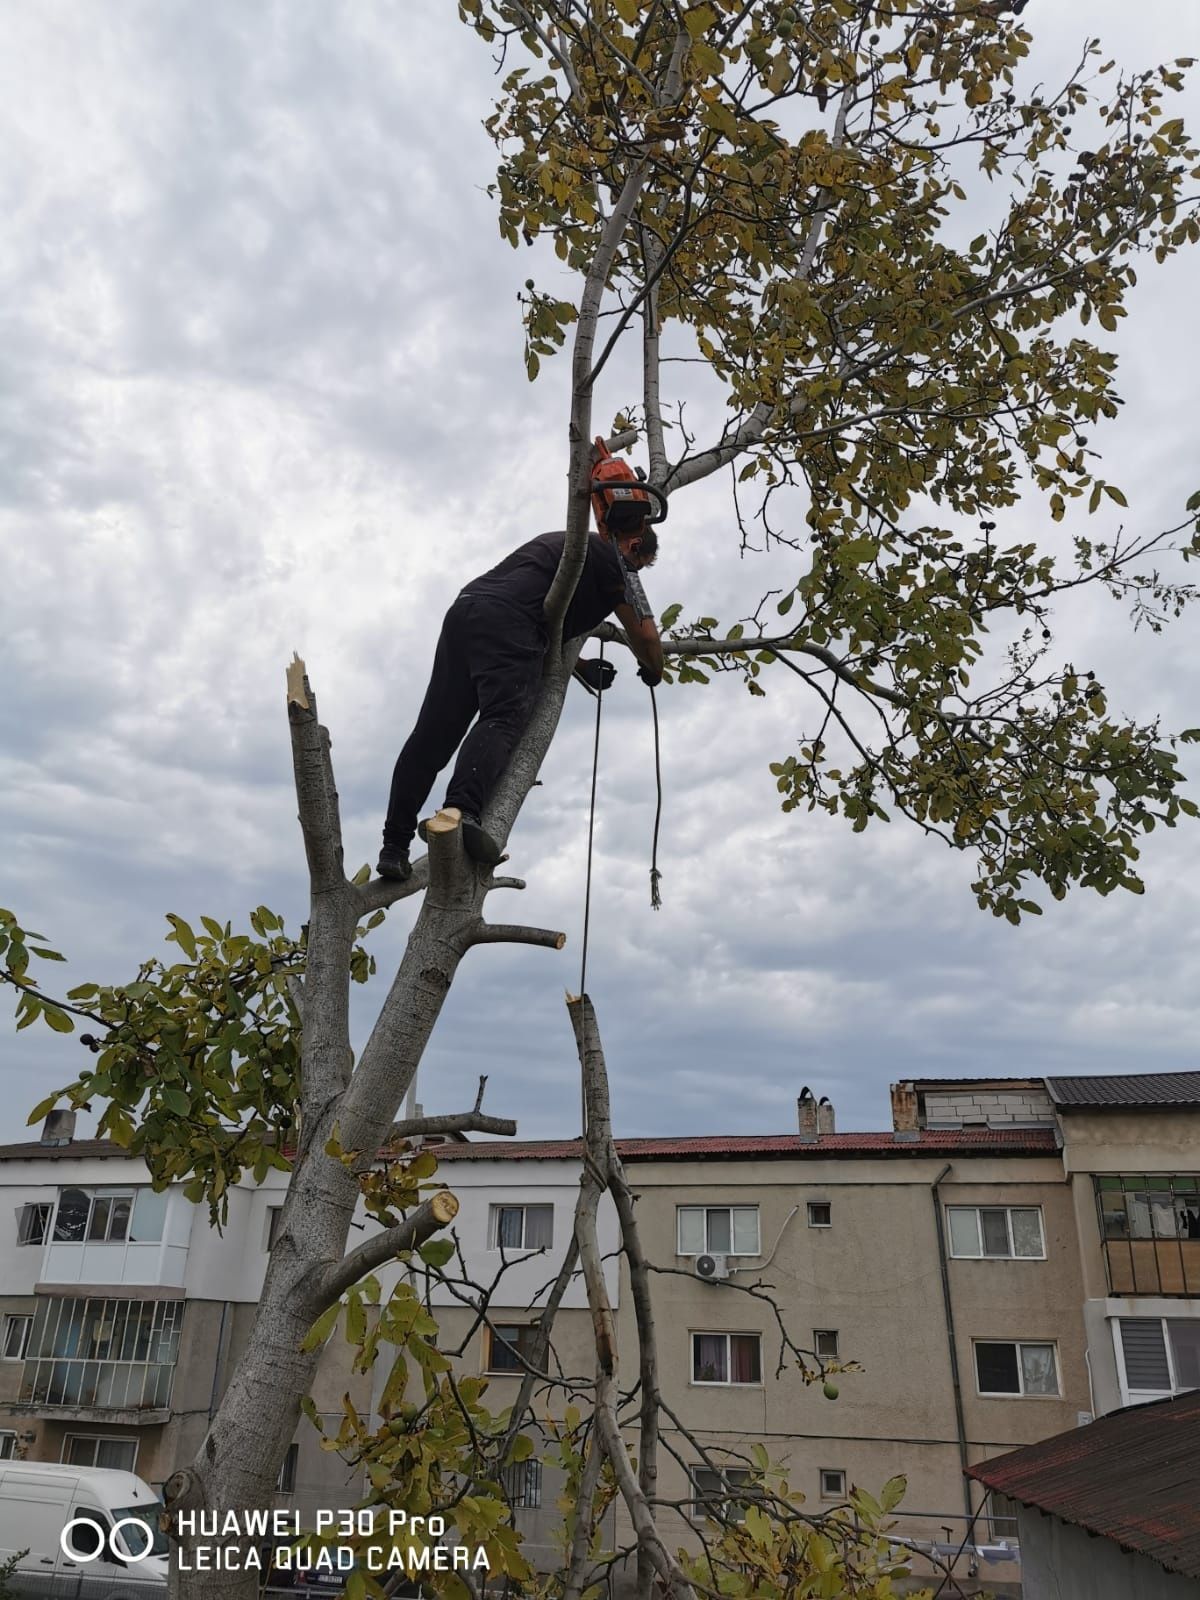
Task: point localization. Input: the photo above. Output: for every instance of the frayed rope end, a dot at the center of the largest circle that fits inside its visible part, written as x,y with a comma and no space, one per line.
655,897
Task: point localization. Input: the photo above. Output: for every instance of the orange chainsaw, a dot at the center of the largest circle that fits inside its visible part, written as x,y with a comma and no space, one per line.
621,497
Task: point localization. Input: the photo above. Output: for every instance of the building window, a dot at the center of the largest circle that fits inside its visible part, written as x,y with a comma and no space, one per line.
1002,1515
8,1445
820,1214
520,1227
510,1347
996,1232
716,1493
285,1483
33,1222
522,1484
16,1336
1161,1355
121,1353
717,1230
825,1343
833,1483
273,1215
1150,1207
109,1216
90,1450
730,1358
1016,1368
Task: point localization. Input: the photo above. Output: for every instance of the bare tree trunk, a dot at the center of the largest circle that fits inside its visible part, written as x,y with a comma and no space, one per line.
239,1460
602,1171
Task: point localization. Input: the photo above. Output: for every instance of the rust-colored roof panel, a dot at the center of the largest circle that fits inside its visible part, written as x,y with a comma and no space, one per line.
768,1147
1130,1477
748,1146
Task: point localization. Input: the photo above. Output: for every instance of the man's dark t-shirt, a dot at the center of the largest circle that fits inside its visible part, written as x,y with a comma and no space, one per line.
522,580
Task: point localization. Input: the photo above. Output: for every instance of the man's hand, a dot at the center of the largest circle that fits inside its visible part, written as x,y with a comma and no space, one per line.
649,676
595,675
642,634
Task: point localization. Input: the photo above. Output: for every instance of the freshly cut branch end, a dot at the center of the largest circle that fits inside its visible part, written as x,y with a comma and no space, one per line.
444,1206
297,683
445,821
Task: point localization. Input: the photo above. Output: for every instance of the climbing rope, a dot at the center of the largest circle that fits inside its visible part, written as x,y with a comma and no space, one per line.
655,874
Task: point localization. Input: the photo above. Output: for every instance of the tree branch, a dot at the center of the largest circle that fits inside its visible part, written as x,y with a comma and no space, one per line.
514,933
430,1216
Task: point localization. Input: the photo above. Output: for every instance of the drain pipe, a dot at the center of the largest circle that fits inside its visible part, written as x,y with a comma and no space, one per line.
948,1307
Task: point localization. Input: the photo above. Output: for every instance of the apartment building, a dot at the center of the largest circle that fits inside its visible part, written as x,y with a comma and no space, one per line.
1011,1259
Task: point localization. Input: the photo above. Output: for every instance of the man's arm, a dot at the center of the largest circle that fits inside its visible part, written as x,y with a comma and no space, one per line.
642,633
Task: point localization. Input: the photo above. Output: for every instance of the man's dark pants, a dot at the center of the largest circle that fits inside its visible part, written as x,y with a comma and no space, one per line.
488,662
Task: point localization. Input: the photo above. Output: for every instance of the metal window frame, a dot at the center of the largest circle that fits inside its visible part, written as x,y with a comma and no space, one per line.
1164,1182
47,1209
1018,1394
828,1204
15,1316
828,1333
956,1255
716,1503
58,1375
98,1439
523,1206
839,1472
708,1250
727,1334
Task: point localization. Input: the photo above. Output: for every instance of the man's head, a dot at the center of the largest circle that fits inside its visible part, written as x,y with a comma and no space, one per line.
638,546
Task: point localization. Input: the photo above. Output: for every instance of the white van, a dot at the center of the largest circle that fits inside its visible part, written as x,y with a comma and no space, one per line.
117,1550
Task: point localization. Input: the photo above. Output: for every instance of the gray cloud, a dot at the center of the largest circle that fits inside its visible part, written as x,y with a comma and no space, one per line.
261,390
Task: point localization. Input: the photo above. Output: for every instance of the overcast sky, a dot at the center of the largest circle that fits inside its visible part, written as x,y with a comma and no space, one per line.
261,390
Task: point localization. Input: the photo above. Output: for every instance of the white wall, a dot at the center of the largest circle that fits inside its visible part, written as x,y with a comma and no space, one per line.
1060,1562
478,1184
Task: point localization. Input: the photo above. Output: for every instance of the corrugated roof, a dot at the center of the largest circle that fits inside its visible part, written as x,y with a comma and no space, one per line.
779,1146
1127,1089
761,1147
1130,1477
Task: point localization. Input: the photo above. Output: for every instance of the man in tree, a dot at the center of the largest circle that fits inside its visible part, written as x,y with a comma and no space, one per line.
489,662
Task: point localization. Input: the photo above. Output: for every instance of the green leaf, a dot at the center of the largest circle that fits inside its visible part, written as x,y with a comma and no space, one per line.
699,20
363,875
175,1100
1114,493
46,955
182,935
42,1109
436,1252
58,1020
321,1328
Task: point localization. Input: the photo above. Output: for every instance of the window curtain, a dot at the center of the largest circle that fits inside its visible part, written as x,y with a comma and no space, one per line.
539,1222
710,1358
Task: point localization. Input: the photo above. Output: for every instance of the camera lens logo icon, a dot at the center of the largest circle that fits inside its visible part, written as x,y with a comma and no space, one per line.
99,1541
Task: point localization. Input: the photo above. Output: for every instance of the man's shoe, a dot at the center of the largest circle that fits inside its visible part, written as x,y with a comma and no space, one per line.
394,863
478,842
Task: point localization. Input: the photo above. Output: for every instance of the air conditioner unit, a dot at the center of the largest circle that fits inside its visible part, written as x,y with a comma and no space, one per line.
712,1267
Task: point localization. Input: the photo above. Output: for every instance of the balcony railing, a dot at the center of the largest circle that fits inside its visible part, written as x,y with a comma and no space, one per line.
107,1355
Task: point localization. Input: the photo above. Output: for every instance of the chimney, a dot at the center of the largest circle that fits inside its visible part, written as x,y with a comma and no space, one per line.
905,1114
58,1128
809,1114
825,1115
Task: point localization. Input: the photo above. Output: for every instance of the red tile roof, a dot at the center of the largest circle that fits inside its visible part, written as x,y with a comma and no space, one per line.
1130,1477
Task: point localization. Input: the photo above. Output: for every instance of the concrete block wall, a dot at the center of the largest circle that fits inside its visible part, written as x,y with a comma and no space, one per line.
998,1108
